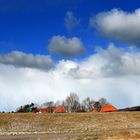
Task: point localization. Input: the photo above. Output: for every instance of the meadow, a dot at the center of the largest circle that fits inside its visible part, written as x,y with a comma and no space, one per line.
74,126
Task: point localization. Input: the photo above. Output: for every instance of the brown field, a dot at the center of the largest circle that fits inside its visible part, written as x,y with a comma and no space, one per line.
72,126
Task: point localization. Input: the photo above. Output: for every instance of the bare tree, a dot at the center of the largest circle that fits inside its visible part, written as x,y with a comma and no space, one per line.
72,103
103,102
88,104
49,104
57,103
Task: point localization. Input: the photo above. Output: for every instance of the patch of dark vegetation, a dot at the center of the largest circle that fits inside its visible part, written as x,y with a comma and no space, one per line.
135,108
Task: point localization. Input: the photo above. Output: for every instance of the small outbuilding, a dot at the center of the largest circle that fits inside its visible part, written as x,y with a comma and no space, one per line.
60,109
108,108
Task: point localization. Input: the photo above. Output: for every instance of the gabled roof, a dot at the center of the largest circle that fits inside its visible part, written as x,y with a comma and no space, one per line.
60,109
108,108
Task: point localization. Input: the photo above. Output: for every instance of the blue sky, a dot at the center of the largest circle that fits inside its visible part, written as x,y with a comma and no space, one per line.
49,48
27,25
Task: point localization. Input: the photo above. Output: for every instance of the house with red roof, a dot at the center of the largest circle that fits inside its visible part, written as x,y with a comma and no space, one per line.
46,110
60,109
108,108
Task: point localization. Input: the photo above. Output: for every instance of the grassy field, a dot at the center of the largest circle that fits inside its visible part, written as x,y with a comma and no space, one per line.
76,126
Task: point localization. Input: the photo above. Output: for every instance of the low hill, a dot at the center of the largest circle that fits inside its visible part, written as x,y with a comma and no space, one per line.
135,108
76,126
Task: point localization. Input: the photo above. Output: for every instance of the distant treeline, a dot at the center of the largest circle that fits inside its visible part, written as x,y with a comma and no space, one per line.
71,104
135,108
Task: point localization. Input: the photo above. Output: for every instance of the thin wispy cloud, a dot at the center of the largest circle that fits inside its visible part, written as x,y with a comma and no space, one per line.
71,21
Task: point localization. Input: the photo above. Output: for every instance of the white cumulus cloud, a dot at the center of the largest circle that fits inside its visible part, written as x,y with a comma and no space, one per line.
119,25
67,47
21,59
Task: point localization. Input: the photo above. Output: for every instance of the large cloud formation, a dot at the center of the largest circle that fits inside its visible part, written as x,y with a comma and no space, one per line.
67,47
21,59
119,25
112,62
111,73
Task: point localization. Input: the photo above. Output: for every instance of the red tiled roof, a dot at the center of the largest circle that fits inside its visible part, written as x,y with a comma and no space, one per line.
60,109
108,108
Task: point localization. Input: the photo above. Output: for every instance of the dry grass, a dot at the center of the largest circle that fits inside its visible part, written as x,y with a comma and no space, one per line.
76,126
